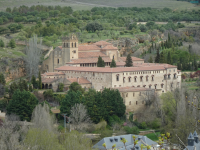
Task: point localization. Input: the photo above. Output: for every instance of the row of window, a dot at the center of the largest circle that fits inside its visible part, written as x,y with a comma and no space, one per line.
68,44
143,102
135,78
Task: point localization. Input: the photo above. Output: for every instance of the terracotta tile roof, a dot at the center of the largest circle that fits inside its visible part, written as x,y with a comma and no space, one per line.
120,63
79,80
89,60
90,54
133,59
60,47
52,73
103,43
117,69
48,80
109,47
132,89
88,47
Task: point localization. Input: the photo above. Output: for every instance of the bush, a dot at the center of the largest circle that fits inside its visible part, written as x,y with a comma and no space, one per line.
133,130
143,125
91,128
155,124
60,128
121,33
101,125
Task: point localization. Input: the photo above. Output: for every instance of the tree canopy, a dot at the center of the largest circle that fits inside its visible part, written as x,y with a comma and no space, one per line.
100,62
129,62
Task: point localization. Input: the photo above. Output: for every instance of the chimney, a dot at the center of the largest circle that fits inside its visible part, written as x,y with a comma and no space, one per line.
190,140
196,138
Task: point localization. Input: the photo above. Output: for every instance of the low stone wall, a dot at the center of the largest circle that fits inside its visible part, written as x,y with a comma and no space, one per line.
146,132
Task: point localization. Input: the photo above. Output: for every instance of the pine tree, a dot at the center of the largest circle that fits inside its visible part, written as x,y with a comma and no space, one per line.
129,62
150,59
157,59
100,62
12,43
113,64
40,81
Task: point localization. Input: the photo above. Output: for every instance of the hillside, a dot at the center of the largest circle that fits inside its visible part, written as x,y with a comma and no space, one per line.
88,4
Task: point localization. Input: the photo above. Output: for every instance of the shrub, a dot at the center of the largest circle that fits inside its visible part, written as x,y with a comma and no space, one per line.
101,125
121,33
60,128
143,125
133,130
155,124
91,128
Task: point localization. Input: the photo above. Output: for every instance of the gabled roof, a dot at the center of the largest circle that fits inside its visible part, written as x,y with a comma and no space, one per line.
190,136
102,43
109,47
49,80
115,70
90,54
110,141
79,80
88,47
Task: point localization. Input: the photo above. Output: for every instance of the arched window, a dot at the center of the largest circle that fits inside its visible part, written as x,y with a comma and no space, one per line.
124,79
135,78
141,78
67,45
162,85
129,79
147,78
72,44
117,77
136,102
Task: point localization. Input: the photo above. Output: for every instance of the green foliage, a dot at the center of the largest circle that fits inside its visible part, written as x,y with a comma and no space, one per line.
2,79
113,64
12,43
133,130
143,125
129,62
39,81
76,87
100,62
94,27
150,59
2,43
48,94
34,82
152,136
60,87
70,100
22,104
155,124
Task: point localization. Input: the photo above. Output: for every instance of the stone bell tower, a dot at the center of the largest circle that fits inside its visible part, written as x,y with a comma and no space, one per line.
70,48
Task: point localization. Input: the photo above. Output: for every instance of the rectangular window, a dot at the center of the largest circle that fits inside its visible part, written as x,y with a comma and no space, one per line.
133,94
130,103
126,94
140,94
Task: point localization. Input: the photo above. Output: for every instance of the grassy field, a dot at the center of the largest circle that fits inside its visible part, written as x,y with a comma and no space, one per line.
152,136
88,4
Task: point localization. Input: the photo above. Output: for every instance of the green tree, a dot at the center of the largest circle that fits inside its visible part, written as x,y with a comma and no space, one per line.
39,81
70,100
162,58
12,43
100,62
76,87
34,82
94,27
2,43
150,59
60,87
169,58
113,64
129,62
157,59
22,104
2,79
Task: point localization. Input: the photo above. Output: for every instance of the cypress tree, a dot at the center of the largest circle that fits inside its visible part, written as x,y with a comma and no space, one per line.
40,81
162,59
169,58
129,62
34,82
113,64
100,62
157,59
25,87
179,66
169,38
